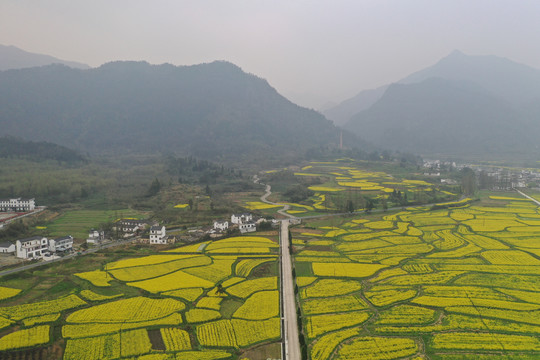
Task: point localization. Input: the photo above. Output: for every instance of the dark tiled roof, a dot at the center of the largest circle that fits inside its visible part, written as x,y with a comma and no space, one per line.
31,238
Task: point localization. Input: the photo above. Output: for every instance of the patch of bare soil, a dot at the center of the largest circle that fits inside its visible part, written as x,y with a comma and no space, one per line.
8,259
53,352
156,339
263,352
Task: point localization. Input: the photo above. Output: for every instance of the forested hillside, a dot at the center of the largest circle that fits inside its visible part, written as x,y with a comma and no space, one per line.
463,105
210,110
11,147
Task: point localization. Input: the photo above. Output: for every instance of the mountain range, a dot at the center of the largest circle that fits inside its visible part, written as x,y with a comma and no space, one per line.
209,110
462,105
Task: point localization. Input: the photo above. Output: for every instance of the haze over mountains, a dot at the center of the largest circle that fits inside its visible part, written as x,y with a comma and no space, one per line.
207,110
12,57
463,105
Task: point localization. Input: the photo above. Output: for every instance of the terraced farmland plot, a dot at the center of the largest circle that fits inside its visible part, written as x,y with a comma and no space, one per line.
339,180
467,280
193,299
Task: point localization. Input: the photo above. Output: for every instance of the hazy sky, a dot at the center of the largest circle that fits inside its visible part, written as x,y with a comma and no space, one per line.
311,51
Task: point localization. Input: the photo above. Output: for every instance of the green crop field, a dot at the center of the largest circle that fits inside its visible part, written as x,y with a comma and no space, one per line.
77,223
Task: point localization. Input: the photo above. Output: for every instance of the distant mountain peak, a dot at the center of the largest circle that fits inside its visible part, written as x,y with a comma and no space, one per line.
463,104
11,57
456,53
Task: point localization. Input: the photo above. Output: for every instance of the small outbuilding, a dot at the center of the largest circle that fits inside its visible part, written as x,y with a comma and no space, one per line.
7,247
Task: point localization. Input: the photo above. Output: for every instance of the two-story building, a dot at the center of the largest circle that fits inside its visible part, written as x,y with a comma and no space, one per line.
95,237
158,234
17,205
244,221
130,227
31,248
221,225
61,244
241,218
247,227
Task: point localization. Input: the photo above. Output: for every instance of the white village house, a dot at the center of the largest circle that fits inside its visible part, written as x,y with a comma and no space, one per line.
221,225
17,205
32,248
247,227
7,247
36,247
95,237
129,227
61,244
244,221
158,234
241,218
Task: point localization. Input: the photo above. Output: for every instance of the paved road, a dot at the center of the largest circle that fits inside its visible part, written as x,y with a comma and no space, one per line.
290,336
528,197
267,193
42,263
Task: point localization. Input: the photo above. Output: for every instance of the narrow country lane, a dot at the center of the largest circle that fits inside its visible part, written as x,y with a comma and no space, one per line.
69,256
267,193
528,197
292,344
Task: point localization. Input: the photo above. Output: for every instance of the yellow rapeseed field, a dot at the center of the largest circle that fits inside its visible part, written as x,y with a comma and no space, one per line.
345,269
330,287
6,293
333,304
92,296
319,324
96,277
202,315
99,328
23,311
485,341
244,267
136,273
176,280
375,348
326,344
259,306
127,310
25,338
248,287
190,294
175,339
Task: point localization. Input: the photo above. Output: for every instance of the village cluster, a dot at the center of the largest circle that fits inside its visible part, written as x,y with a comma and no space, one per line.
38,247
492,177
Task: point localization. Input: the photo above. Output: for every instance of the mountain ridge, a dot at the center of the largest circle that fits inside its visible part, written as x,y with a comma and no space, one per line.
11,57
483,69
208,109
445,117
